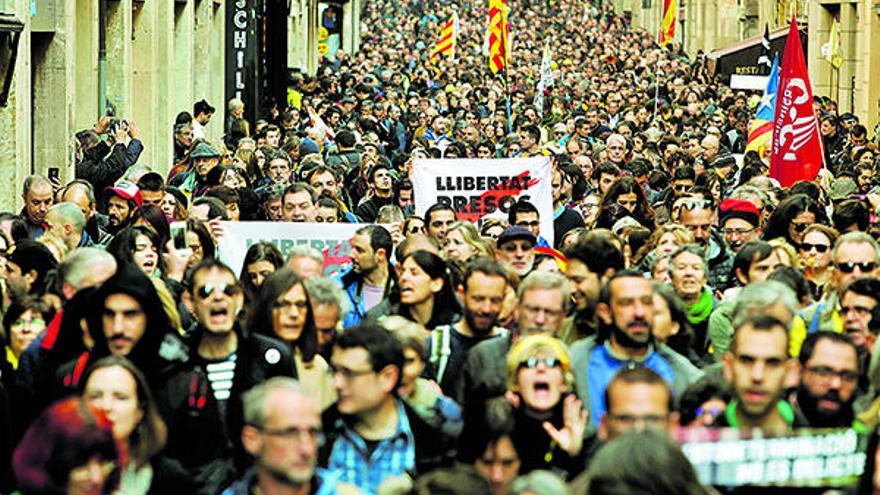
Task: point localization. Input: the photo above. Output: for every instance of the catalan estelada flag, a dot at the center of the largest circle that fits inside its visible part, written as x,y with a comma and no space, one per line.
498,55
448,34
761,127
667,22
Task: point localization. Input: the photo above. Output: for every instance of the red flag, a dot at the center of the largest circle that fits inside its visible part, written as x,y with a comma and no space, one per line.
797,143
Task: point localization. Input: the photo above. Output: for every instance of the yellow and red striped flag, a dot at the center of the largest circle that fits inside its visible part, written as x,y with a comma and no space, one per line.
498,47
448,35
667,27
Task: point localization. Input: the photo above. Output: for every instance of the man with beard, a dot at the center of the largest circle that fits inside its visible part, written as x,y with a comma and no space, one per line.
829,381
482,294
130,321
757,367
543,299
626,315
591,261
123,199
371,277
282,432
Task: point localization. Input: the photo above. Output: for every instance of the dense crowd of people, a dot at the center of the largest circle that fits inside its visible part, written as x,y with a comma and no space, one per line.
682,286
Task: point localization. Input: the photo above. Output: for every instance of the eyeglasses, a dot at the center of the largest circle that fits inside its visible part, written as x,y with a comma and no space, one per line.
294,433
207,290
850,266
709,411
737,232
533,362
800,227
694,203
349,374
861,310
826,373
529,225
820,248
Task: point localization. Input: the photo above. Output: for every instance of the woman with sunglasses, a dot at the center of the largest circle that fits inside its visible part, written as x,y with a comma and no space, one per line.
792,217
549,419
815,254
114,386
282,310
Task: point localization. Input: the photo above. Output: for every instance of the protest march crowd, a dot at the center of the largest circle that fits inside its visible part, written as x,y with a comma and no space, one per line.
499,344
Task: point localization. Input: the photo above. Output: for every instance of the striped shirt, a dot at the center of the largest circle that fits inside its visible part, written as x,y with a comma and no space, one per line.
220,373
366,468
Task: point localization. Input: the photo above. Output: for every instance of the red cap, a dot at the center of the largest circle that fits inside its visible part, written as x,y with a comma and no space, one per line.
738,208
128,191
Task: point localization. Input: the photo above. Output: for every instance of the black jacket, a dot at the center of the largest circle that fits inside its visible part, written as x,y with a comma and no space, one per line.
258,358
434,448
102,166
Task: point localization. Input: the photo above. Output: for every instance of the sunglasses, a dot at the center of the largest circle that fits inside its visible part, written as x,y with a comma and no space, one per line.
207,290
533,362
850,266
821,248
690,204
800,227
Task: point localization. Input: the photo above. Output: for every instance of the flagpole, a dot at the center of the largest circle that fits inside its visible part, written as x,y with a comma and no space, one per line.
656,88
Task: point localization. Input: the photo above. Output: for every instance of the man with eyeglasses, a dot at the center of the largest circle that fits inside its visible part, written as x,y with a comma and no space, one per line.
525,214
232,360
740,223
625,340
637,398
697,215
829,381
282,433
516,250
855,255
757,366
857,306
372,434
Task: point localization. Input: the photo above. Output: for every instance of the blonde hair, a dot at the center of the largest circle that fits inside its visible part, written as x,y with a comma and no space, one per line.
681,233
780,244
472,238
531,346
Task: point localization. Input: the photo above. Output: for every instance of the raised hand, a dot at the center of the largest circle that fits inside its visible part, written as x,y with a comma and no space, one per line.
571,437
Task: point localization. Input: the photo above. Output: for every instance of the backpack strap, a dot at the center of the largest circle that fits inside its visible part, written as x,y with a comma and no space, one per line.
441,349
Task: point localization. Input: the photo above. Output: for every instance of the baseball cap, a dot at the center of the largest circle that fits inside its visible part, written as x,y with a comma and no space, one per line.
128,191
515,232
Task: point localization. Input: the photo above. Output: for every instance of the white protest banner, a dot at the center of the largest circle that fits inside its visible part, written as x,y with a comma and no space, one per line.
806,457
332,239
479,189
